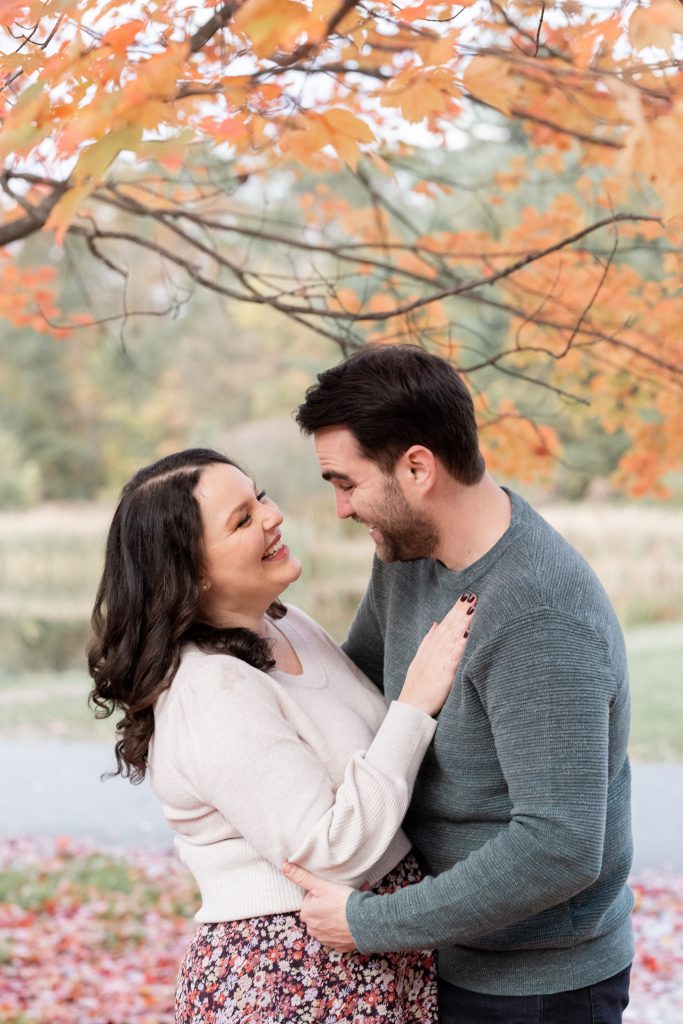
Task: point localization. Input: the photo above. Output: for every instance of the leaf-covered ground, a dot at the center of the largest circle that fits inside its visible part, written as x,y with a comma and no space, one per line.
95,937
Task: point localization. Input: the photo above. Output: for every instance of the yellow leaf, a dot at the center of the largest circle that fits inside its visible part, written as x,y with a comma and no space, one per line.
155,79
343,122
491,80
340,129
26,61
94,161
420,95
64,212
237,89
655,25
272,26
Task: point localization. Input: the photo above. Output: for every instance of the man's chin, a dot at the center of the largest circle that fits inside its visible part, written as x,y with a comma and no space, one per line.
386,552
394,553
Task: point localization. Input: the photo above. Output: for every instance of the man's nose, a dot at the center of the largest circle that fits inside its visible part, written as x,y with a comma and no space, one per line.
344,509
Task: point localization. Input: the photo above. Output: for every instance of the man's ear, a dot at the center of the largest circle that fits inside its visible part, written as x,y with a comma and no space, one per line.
417,469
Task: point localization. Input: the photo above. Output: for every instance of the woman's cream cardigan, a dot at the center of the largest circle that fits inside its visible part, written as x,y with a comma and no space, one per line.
255,768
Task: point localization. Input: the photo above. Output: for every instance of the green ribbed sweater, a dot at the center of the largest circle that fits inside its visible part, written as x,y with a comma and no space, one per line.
521,811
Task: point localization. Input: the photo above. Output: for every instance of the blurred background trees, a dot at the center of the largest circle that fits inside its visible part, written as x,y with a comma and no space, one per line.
497,181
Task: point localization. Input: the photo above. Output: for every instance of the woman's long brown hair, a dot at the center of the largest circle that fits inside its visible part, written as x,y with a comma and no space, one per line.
147,603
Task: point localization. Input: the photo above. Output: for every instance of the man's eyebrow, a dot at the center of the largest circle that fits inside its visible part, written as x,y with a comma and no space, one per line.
333,474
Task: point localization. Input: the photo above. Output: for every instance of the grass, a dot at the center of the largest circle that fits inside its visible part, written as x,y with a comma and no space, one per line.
47,705
54,706
655,658
50,560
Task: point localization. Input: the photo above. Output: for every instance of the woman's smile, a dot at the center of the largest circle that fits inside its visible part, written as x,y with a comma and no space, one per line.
277,551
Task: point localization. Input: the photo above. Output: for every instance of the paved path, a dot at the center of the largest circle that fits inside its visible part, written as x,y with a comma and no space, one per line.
52,788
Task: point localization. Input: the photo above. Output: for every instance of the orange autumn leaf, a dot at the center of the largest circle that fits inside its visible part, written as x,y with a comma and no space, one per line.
419,95
120,37
492,80
340,129
451,166
273,26
67,209
656,25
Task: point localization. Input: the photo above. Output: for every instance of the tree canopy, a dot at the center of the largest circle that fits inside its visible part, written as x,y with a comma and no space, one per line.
320,158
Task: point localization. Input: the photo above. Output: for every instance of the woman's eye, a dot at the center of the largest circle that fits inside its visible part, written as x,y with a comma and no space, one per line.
246,519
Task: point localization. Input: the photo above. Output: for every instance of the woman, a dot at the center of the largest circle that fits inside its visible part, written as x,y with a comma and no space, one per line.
263,742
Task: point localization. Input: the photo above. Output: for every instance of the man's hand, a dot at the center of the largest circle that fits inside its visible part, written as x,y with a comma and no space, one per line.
324,908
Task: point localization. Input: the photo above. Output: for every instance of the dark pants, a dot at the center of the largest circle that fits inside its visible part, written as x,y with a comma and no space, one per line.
602,1003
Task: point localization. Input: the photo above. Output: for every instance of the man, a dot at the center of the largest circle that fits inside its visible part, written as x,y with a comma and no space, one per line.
521,810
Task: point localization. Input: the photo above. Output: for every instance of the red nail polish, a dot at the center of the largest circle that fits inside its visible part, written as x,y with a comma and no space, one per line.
466,633
470,611
471,598
464,597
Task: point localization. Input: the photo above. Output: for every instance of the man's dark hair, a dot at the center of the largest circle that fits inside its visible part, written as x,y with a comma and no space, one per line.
393,396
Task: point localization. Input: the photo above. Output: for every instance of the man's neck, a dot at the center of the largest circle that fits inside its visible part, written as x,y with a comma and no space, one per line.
470,521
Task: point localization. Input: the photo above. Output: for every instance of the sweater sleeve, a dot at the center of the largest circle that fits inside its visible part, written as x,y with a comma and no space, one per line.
248,762
546,688
365,642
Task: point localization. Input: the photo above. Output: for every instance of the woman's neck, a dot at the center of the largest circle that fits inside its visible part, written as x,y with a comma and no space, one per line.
227,618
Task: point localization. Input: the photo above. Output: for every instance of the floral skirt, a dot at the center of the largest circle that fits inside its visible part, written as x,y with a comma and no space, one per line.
269,970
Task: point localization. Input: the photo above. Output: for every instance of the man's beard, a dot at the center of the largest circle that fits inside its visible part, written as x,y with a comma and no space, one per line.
405,536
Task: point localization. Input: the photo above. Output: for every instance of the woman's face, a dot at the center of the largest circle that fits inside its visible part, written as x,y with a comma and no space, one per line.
246,565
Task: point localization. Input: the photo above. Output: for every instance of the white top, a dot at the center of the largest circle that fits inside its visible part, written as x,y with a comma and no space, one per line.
256,768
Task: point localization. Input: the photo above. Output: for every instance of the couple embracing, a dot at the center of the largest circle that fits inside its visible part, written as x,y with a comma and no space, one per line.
429,823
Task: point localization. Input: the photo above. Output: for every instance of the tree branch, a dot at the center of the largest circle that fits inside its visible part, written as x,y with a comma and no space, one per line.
218,21
36,216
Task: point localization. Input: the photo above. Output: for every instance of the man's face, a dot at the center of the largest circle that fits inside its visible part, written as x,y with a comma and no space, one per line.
365,493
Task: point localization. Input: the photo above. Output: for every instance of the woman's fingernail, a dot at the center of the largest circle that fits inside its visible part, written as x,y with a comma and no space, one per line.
466,634
470,611
471,598
465,597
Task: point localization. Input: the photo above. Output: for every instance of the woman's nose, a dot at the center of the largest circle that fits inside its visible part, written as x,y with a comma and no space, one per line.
273,516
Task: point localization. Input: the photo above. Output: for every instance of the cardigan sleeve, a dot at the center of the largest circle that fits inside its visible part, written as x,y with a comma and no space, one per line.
246,760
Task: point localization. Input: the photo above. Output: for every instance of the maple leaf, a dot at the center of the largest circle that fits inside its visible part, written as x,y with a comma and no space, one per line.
208,98
656,25
492,79
340,129
120,37
271,27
